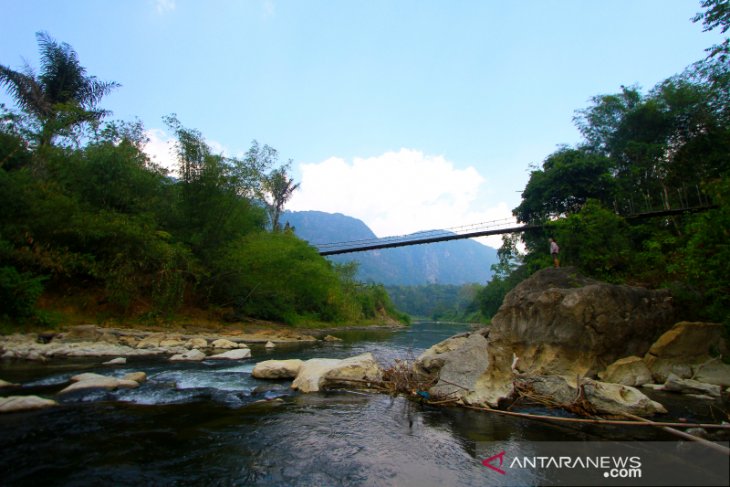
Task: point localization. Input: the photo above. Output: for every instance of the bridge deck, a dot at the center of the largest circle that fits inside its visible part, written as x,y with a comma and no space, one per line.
392,242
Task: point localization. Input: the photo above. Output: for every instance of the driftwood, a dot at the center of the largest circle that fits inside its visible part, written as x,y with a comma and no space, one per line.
682,434
401,379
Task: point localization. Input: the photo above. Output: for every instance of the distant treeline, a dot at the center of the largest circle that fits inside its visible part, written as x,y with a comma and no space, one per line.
89,223
438,302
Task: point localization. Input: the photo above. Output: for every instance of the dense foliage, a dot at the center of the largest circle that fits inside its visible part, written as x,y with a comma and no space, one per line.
437,302
665,149
88,219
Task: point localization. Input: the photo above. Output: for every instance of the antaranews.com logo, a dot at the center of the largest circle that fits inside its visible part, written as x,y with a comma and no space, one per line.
611,466
603,463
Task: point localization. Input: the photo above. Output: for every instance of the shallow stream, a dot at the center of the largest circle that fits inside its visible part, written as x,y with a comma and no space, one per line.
201,424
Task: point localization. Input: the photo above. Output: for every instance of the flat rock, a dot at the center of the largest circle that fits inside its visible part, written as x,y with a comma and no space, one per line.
277,369
628,371
237,354
95,381
714,372
619,399
116,361
691,386
24,403
270,344
223,343
193,355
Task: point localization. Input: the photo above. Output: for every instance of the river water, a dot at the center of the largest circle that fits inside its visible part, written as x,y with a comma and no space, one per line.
205,424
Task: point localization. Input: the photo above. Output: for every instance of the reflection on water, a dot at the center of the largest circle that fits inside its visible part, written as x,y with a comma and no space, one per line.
206,424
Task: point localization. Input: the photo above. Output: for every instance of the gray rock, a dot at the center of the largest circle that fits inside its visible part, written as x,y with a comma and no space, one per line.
684,346
691,386
193,355
348,372
277,369
713,372
559,322
237,354
605,397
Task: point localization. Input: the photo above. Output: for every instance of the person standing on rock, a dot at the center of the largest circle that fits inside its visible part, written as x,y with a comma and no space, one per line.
554,251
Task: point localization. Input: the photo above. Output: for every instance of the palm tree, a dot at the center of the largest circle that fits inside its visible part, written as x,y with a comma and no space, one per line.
62,96
278,188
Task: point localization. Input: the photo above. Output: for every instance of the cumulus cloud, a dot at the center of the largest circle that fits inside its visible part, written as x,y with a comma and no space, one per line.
160,148
398,193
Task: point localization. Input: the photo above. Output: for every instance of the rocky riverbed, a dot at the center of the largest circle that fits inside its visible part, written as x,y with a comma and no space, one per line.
573,341
559,338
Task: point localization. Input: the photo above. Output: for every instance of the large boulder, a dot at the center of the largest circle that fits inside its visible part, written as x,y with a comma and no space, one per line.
457,364
354,371
277,369
556,322
311,374
628,371
683,349
320,373
559,322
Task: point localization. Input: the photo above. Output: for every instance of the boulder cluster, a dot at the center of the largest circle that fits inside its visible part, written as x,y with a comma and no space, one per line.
95,341
562,336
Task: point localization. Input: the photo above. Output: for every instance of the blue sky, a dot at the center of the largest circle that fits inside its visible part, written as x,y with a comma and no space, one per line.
409,115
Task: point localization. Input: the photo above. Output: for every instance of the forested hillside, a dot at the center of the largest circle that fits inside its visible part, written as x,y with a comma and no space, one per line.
90,228
661,149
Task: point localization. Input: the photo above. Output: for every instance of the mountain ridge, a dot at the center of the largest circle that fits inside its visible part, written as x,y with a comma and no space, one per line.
453,262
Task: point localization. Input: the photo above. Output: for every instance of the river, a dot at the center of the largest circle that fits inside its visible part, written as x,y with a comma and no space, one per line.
201,424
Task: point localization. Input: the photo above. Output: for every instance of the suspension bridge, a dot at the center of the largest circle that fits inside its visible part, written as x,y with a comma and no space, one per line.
483,229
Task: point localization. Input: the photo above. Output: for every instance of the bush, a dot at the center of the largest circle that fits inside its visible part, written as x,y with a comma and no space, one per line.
19,293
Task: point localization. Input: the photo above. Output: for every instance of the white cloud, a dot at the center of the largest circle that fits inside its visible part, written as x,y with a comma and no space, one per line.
398,193
164,6
161,149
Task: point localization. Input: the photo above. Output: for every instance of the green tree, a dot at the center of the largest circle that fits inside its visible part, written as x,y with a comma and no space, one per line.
567,179
277,189
61,97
